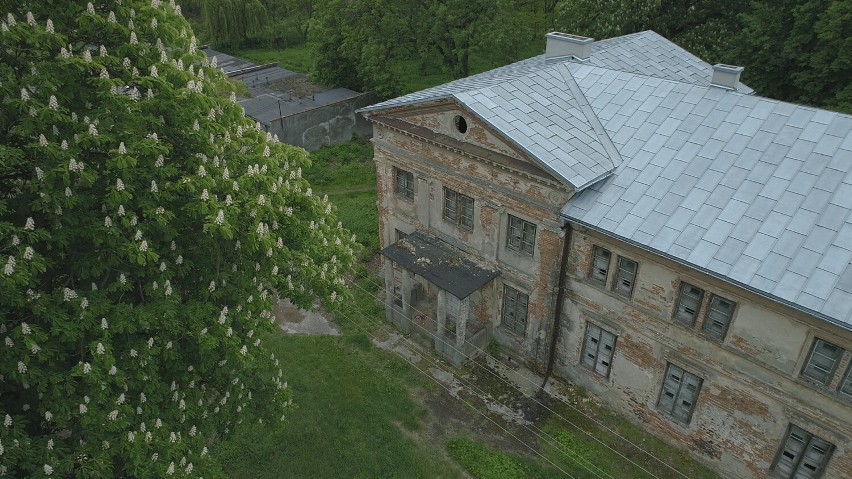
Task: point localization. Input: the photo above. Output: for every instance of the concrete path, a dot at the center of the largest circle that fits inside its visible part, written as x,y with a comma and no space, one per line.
293,320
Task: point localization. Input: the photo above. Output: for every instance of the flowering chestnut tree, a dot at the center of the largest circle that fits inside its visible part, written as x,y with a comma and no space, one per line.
146,228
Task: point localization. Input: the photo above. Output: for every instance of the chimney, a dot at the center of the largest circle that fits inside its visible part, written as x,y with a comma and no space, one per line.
726,76
564,46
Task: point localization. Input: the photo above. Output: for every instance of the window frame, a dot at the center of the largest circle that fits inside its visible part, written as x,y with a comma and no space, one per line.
830,373
797,461
458,216
676,397
404,188
520,242
618,278
846,381
708,320
596,359
680,300
594,270
512,323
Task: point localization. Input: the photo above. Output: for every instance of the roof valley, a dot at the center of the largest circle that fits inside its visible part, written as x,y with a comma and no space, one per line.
614,156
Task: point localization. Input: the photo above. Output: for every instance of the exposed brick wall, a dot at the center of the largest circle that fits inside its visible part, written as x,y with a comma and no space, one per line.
746,402
750,392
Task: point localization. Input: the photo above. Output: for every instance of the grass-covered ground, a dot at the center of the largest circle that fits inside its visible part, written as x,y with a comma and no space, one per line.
297,59
363,412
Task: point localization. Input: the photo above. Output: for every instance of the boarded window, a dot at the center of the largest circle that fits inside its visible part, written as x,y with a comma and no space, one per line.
679,393
600,265
598,349
821,361
689,301
718,317
625,276
515,310
802,455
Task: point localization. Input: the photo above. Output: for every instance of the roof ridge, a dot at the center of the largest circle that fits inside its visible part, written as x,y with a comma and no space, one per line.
593,120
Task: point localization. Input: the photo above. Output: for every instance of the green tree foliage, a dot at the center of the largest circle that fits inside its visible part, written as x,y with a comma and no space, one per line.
707,28
359,43
232,23
242,24
800,51
146,227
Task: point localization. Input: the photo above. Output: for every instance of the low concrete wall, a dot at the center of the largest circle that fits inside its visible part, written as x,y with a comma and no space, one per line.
472,347
326,125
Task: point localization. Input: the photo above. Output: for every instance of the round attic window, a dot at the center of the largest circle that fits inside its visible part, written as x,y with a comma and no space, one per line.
461,124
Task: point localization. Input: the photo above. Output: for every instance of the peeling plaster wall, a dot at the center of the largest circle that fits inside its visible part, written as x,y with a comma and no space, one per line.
750,391
497,193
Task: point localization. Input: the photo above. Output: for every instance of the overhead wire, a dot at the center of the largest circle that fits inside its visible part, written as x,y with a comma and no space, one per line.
583,413
578,458
467,403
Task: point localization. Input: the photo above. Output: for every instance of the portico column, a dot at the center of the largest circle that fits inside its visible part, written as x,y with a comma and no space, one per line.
406,293
441,313
461,322
388,270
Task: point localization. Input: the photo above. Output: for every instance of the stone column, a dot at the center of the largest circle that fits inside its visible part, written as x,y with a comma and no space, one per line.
461,322
406,293
441,318
388,272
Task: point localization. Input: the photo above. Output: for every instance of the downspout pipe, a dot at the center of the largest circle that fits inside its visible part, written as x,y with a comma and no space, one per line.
560,299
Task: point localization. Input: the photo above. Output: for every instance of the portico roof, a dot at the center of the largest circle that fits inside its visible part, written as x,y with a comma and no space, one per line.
440,263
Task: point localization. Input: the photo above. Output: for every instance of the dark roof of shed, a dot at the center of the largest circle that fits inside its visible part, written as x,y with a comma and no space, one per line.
440,263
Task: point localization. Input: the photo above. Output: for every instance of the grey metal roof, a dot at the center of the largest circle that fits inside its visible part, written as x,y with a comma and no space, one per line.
440,263
543,113
753,191
645,53
748,189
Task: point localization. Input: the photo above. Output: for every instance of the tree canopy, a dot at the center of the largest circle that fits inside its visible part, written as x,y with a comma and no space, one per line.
146,229
792,50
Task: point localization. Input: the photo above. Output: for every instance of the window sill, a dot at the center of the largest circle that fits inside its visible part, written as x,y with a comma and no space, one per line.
825,390
595,376
609,292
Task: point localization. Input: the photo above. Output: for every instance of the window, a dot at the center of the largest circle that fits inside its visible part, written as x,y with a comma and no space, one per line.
521,235
515,309
598,349
625,276
822,360
688,304
399,234
405,183
600,265
458,208
846,385
679,393
802,455
718,317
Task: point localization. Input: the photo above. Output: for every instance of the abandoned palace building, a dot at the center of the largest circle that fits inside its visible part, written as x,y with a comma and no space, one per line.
643,224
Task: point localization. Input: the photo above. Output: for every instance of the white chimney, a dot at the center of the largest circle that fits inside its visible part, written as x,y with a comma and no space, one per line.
564,46
726,76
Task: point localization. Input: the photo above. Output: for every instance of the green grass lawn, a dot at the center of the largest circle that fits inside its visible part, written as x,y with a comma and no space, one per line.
355,416
298,59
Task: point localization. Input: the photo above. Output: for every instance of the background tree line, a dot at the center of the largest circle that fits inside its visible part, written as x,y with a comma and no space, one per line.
793,50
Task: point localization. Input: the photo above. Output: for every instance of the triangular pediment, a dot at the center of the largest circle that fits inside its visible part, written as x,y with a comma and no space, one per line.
459,126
